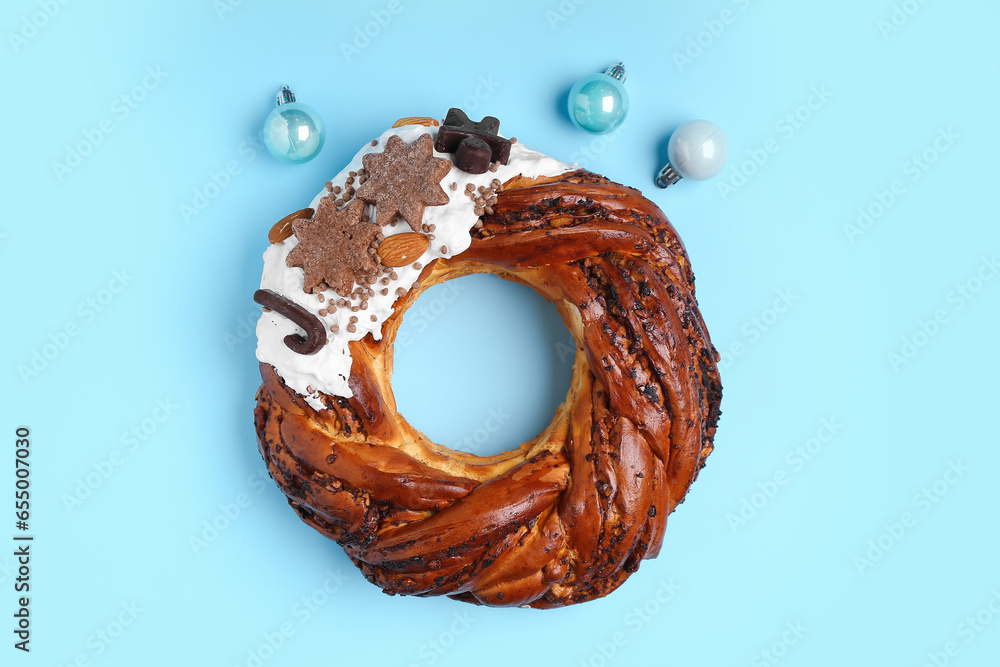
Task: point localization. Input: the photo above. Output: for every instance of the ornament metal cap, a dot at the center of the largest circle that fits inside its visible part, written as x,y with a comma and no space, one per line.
285,95
668,176
617,71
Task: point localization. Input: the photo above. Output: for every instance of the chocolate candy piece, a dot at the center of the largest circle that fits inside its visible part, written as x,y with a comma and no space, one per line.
473,155
457,128
315,337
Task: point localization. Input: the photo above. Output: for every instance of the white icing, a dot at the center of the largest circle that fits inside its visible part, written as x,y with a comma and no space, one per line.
327,371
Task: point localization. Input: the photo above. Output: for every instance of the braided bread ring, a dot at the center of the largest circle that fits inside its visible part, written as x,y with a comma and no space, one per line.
568,516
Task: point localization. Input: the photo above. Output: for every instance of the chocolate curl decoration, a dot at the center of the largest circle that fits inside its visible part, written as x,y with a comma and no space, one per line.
315,337
475,145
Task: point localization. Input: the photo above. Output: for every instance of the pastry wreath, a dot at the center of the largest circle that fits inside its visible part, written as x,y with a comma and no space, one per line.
568,516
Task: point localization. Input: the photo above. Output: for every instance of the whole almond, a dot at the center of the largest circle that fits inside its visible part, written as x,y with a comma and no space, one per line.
283,228
402,249
416,120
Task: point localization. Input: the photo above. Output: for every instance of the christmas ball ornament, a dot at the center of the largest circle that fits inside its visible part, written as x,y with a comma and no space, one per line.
293,132
598,103
698,150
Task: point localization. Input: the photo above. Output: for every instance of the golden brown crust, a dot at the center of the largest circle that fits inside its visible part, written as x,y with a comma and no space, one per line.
568,516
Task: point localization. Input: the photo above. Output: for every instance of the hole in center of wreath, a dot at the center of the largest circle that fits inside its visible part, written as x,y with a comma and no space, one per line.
481,364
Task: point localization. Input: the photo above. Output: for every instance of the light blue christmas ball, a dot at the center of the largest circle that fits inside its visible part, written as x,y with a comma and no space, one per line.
598,103
293,132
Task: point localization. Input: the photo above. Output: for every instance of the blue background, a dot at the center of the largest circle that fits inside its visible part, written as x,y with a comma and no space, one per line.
843,547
